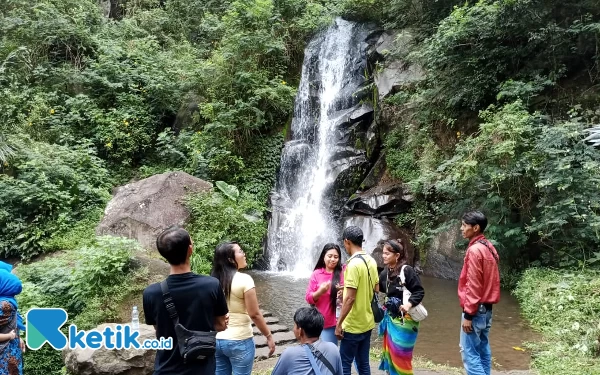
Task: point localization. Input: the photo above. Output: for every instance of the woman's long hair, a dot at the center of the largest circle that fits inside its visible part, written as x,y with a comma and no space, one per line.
336,271
397,247
225,265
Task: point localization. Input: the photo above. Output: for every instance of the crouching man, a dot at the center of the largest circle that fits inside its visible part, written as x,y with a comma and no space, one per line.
312,353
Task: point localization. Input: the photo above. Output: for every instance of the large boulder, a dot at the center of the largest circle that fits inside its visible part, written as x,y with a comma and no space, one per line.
143,209
111,361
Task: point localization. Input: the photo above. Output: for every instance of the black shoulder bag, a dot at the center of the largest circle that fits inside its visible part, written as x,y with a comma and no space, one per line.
194,346
378,311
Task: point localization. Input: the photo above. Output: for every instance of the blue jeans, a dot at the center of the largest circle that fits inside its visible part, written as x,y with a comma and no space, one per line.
355,346
328,335
475,346
235,357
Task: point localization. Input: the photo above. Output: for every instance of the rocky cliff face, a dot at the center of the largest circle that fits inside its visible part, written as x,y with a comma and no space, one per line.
379,198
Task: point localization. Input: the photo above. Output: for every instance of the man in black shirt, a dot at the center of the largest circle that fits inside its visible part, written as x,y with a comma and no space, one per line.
199,301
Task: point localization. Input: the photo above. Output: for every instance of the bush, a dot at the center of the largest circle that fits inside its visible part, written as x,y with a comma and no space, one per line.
535,179
49,188
101,266
45,361
217,218
564,306
480,46
71,279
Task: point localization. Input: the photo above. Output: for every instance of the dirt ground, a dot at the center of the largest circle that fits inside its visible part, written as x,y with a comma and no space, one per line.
264,367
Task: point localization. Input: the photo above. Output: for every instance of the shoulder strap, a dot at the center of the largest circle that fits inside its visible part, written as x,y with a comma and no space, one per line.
490,250
368,271
169,302
321,358
311,358
402,276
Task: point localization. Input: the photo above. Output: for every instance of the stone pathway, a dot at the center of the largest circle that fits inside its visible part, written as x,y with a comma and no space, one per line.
281,334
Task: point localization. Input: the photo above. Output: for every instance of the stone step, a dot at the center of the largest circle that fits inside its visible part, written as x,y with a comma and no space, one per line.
261,353
280,338
270,320
265,313
273,327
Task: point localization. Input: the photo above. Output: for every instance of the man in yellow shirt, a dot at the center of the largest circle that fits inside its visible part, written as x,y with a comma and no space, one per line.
356,320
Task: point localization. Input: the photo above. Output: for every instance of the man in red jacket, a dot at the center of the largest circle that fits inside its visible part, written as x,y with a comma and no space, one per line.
478,291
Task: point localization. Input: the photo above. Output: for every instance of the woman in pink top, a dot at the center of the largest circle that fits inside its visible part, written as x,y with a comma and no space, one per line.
322,288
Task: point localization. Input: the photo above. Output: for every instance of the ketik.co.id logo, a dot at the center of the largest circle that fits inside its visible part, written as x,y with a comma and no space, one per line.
43,325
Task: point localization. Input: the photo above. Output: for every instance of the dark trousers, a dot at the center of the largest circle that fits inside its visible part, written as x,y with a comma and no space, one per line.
355,346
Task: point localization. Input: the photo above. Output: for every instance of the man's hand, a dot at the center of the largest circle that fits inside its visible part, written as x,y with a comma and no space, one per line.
338,332
22,345
467,326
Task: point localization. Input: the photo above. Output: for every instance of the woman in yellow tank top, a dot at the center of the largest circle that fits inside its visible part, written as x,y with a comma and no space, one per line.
235,345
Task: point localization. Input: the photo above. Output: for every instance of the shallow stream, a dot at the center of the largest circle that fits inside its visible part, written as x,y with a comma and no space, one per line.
282,294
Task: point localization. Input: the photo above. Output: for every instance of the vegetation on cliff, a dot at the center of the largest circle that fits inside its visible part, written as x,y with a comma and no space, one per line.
89,102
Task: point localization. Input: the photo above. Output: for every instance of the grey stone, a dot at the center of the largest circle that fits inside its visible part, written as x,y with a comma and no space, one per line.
269,320
381,201
372,141
396,75
444,260
375,174
263,353
112,361
273,328
386,43
280,338
141,210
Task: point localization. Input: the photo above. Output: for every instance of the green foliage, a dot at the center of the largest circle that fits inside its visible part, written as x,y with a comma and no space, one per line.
46,360
71,279
76,235
229,191
216,218
102,265
48,188
480,46
535,179
565,308
262,160
89,283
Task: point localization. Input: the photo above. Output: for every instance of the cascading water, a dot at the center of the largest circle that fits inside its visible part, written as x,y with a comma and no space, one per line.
302,221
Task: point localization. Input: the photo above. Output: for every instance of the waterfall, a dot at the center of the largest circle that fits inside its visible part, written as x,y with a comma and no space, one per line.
302,220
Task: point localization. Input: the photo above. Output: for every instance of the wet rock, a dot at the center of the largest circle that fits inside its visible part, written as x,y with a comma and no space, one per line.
444,259
111,361
382,201
375,174
385,44
397,75
143,209
372,141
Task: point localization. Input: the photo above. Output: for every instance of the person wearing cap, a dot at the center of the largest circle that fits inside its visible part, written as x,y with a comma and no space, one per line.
478,291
